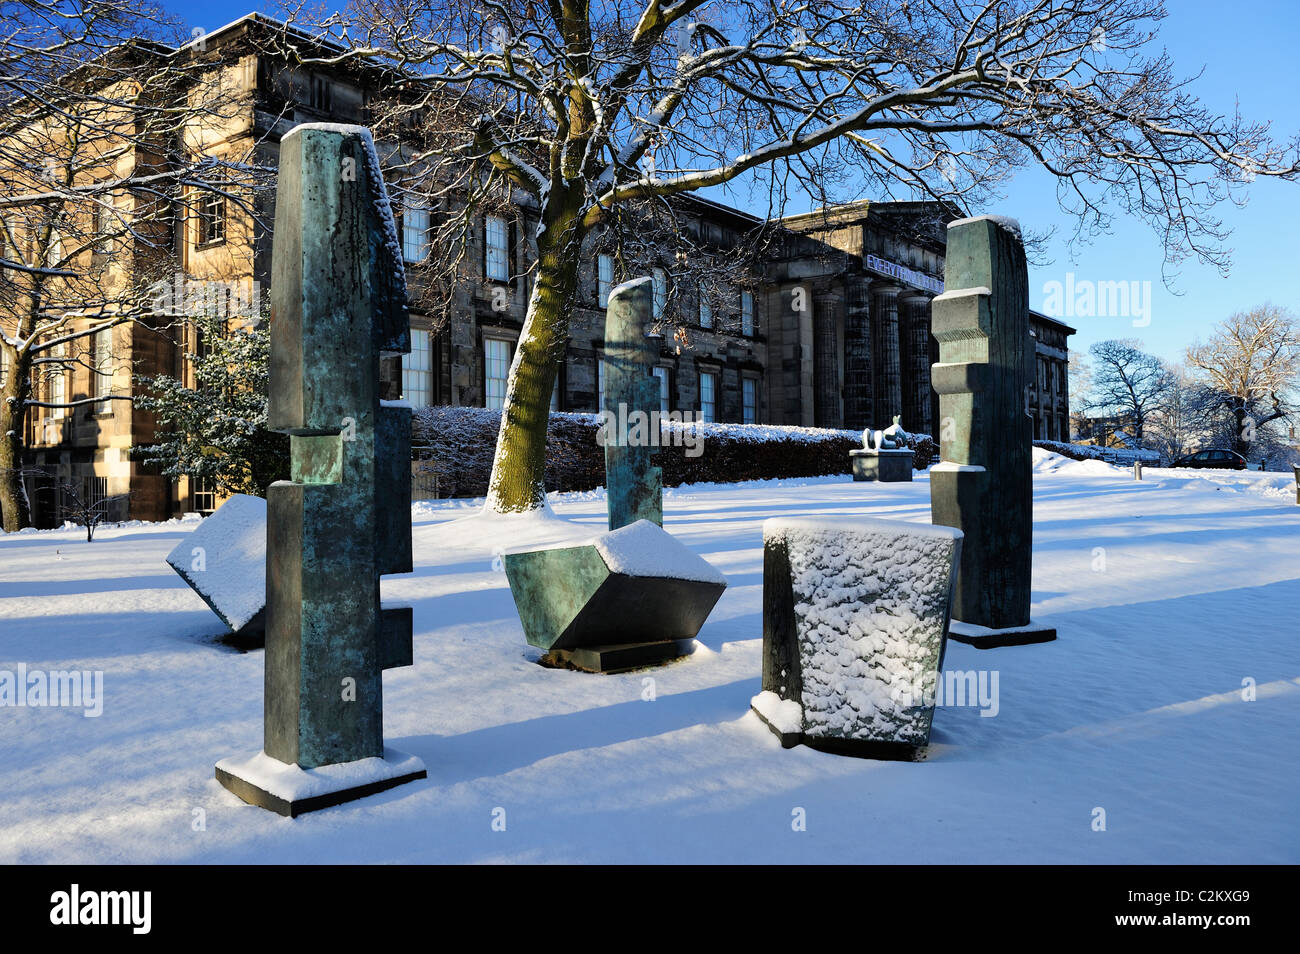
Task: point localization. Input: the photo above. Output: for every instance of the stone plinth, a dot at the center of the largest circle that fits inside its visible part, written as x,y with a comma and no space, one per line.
885,465
629,598
855,613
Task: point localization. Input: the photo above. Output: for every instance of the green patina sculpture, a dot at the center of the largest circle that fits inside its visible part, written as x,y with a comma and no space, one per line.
984,483
625,599
343,520
634,485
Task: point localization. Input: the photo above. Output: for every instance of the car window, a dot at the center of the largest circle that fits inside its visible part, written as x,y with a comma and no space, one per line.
1203,455
1220,455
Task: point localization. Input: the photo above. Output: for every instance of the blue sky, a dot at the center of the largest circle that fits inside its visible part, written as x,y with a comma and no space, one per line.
1248,56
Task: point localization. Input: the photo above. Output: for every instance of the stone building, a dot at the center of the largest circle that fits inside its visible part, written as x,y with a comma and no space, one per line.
828,328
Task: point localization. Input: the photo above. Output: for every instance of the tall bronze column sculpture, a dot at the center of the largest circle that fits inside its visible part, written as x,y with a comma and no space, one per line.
343,519
633,483
984,484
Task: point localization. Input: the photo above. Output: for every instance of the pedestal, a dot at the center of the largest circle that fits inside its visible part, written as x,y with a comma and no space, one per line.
886,466
984,637
619,657
291,791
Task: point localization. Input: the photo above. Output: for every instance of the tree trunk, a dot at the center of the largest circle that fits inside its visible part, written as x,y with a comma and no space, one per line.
14,506
519,467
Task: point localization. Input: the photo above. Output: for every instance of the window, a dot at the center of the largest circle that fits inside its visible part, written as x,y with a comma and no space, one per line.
708,396
555,393
95,492
496,260
496,355
102,370
415,232
58,382
600,384
706,310
665,404
604,278
4,367
661,293
54,251
102,244
416,368
321,95
211,216
749,399
747,313
203,495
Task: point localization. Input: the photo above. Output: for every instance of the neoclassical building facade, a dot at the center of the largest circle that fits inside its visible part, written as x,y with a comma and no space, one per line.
827,326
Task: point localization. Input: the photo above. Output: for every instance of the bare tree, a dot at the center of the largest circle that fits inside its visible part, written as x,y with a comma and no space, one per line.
582,108
85,509
97,167
1129,384
1251,366
1183,421
1080,381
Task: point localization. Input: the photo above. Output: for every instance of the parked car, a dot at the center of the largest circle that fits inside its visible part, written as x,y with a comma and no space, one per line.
1222,459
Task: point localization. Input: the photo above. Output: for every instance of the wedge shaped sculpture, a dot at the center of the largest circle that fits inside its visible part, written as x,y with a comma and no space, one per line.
343,519
624,600
224,560
855,614
983,484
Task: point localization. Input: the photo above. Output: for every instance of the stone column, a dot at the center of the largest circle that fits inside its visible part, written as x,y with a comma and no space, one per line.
857,354
915,319
826,371
888,396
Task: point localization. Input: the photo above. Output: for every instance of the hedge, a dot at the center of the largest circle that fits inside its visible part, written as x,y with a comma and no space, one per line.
1111,455
457,443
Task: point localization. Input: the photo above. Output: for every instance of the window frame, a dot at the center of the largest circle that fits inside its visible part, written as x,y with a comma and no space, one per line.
711,416
101,385
211,216
604,284
748,384
502,257
409,370
488,362
413,211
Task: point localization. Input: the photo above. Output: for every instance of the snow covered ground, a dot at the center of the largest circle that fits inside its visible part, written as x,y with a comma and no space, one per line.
1168,595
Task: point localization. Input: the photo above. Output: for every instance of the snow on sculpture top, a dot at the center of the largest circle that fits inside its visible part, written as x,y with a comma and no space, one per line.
224,560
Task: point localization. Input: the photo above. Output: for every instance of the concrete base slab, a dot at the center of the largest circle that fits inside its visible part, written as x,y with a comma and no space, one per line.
983,637
619,657
291,790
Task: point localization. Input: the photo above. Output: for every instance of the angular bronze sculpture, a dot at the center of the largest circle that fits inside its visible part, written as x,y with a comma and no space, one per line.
626,599
343,519
983,485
